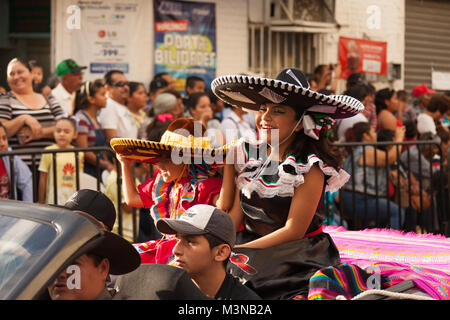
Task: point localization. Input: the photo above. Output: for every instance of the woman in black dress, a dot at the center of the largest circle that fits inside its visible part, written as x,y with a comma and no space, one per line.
281,181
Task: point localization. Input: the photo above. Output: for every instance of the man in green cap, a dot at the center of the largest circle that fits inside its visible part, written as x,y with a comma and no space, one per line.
71,78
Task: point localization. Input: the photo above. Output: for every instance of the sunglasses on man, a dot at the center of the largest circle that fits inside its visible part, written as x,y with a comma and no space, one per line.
120,84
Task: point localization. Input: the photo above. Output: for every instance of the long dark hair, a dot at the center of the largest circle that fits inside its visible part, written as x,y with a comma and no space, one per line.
302,146
193,99
86,90
133,85
380,98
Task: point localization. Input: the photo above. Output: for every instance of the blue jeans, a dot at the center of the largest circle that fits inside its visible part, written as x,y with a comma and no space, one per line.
384,218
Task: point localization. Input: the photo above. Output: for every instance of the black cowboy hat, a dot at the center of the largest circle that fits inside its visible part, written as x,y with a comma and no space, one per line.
289,88
123,257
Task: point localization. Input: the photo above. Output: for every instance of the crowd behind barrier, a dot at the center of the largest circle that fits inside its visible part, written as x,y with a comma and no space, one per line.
427,210
421,207
378,195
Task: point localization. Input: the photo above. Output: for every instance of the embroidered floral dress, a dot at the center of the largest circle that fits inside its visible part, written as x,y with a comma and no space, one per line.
169,200
266,191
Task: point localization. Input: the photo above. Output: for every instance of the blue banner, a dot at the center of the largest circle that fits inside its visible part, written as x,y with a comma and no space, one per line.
185,40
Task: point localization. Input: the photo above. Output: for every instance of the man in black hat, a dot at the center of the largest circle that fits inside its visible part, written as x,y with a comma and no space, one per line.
71,77
96,204
206,237
86,278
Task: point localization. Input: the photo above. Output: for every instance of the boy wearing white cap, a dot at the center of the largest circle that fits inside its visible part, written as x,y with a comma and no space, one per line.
206,237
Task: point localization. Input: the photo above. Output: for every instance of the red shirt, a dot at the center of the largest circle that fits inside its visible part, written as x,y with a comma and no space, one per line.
161,197
4,181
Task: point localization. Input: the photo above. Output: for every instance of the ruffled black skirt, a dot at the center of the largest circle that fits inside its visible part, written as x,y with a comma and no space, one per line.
282,271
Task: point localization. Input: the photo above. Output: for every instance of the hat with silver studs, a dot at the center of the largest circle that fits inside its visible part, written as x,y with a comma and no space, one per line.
289,88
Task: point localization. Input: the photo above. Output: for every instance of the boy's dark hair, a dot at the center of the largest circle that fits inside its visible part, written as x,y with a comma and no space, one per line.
355,134
108,76
318,70
35,64
402,95
191,80
385,135
358,91
410,129
72,121
157,83
439,102
214,242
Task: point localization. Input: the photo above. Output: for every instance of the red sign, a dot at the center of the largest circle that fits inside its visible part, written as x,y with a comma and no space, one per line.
362,56
172,26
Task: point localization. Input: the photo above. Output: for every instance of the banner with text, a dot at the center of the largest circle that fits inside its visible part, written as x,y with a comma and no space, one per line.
362,56
185,40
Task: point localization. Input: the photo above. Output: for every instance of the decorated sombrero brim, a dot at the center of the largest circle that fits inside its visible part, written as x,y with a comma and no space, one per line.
150,151
289,88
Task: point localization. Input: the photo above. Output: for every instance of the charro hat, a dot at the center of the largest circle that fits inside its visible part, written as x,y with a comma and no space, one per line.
289,88
183,135
201,219
67,66
123,257
95,203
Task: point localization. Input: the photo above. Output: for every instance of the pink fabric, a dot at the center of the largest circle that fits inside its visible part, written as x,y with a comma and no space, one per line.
164,117
422,258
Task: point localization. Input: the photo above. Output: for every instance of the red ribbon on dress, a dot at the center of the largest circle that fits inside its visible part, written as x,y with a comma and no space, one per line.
241,260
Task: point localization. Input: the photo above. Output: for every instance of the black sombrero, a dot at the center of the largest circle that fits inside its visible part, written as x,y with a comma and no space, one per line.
289,88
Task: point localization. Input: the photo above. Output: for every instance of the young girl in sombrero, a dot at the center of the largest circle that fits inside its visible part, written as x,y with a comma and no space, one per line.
280,182
182,180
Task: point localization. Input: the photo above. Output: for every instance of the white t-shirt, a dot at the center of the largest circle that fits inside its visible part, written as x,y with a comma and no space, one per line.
235,128
425,123
347,123
64,98
117,116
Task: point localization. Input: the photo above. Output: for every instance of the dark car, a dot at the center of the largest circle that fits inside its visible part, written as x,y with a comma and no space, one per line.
36,243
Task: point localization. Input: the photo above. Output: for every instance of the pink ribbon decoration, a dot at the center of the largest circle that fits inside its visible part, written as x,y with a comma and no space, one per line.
164,117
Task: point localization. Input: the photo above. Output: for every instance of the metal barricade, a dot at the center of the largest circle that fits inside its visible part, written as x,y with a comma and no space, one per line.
432,216
34,153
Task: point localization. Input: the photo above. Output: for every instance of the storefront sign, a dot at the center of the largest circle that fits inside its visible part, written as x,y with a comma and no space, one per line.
362,56
185,40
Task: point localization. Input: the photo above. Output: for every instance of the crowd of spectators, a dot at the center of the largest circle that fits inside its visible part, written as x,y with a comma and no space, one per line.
116,107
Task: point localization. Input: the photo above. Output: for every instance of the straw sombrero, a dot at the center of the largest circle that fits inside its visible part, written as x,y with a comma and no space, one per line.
289,88
183,136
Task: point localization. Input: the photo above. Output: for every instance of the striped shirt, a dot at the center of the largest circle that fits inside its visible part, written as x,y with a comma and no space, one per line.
86,126
11,108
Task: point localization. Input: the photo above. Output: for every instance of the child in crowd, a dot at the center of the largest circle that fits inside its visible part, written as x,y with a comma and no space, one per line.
90,98
37,72
66,164
22,174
